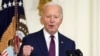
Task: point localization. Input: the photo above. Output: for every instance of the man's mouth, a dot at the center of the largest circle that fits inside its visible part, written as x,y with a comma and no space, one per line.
51,25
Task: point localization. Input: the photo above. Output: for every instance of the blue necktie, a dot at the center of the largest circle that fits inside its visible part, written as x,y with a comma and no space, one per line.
52,47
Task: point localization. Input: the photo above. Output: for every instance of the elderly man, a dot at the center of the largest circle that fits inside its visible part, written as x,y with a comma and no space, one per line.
48,41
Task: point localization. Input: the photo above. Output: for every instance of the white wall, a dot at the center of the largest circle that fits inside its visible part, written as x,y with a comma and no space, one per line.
31,11
77,19
96,28
81,22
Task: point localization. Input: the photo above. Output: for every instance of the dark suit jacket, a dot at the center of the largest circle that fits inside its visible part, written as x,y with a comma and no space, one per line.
37,40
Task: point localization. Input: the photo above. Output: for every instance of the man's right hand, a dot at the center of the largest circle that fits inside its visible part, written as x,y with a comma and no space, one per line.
27,49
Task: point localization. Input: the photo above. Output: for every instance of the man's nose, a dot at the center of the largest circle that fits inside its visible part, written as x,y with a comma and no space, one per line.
52,19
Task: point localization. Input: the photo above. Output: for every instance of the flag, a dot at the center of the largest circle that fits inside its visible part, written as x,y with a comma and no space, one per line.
9,10
21,27
8,51
6,13
4,53
22,30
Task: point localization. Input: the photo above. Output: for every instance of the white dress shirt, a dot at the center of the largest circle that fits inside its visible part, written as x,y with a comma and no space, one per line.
48,39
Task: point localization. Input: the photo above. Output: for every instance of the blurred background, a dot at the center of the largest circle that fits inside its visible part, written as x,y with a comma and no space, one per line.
81,22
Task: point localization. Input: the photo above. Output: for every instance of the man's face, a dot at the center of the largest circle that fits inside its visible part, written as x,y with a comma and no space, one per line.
52,18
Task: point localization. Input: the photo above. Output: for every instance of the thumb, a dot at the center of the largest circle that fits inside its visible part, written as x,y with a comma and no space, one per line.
32,48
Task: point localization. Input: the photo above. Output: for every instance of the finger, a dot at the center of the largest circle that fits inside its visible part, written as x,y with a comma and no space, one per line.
27,49
32,48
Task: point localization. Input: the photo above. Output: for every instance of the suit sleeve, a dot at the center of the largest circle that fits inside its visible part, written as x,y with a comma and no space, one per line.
70,47
73,49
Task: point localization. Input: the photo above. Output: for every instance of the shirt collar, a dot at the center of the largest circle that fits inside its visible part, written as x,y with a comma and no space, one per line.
47,35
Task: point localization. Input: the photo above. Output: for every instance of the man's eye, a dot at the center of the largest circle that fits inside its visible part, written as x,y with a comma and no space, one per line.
48,16
56,16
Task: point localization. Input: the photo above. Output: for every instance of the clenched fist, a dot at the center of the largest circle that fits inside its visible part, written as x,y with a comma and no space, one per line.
27,49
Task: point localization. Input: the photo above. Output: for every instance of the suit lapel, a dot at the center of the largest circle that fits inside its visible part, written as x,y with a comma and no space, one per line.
42,44
61,46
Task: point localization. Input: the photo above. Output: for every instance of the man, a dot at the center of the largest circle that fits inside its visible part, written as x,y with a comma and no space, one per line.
39,43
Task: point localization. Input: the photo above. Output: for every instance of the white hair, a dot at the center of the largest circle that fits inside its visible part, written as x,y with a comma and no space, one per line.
51,4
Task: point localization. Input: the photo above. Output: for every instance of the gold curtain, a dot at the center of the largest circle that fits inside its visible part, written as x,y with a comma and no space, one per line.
41,3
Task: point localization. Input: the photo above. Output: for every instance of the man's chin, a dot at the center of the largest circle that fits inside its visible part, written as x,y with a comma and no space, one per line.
52,31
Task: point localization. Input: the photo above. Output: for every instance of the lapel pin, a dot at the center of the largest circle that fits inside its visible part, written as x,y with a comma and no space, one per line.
62,42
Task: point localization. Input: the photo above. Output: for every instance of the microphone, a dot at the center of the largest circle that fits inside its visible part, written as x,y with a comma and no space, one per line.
78,52
68,53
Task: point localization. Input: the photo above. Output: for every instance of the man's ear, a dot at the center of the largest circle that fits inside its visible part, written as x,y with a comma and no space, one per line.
61,20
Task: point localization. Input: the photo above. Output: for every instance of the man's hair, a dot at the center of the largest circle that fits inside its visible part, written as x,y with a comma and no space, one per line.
51,4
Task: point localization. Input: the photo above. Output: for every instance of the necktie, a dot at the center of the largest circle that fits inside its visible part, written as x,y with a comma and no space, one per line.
52,47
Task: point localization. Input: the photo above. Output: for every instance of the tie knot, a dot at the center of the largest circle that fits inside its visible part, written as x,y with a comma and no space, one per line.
52,36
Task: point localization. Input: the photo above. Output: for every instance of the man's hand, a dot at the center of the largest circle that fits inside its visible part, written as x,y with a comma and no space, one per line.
27,49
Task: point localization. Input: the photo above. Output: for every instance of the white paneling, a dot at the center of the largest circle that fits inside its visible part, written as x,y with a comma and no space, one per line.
94,33
31,12
84,27
68,25
77,23
96,28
